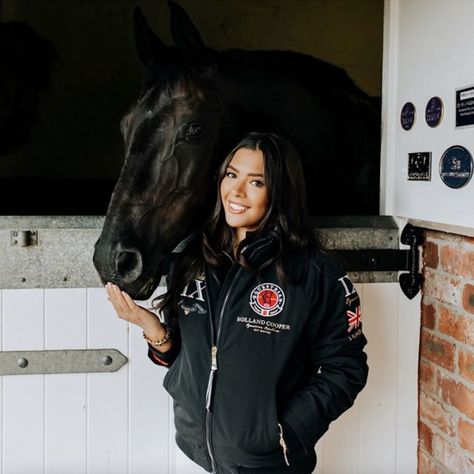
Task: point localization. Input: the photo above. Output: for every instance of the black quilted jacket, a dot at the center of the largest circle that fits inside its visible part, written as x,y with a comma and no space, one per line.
254,359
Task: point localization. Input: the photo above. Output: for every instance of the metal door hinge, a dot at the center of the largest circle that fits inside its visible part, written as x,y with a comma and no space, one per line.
68,361
375,260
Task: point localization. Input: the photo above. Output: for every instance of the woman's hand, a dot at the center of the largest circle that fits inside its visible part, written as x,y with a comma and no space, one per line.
125,307
128,310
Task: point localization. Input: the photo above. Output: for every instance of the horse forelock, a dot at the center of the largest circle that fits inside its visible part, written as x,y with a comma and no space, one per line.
175,94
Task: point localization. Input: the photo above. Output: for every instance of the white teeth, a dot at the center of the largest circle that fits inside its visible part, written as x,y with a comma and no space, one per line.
236,207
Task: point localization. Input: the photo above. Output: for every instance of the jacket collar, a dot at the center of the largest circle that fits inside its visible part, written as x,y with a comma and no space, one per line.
259,249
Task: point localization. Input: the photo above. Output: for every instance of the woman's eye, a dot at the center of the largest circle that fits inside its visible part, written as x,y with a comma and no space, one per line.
257,183
193,130
229,174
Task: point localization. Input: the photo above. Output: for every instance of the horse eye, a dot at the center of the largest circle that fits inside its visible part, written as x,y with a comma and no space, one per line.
193,130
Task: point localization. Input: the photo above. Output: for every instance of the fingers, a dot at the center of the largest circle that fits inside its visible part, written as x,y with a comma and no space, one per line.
130,303
116,297
125,307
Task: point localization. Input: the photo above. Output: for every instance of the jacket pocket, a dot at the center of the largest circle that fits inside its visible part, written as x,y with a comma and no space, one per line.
170,375
188,427
247,424
188,417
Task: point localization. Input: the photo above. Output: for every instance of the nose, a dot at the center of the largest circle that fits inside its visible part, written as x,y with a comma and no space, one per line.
128,263
238,189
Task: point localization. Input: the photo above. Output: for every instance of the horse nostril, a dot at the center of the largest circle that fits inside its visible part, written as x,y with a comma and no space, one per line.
128,264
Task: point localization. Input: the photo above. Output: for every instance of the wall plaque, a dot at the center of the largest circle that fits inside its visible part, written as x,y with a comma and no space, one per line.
455,167
419,166
465,107
408,116
434,111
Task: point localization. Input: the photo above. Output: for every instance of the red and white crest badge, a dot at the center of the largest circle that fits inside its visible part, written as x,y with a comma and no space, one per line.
267,299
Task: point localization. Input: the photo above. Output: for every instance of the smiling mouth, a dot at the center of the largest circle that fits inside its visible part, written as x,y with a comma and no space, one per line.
236,208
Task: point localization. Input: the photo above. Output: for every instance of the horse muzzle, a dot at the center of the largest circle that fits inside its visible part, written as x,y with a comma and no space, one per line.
124,266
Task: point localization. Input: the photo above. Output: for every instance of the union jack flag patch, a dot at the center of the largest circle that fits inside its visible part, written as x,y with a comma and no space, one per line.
354,319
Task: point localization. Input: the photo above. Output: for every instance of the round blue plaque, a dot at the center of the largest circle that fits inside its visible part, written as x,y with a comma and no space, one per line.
407,116
455,167
434,111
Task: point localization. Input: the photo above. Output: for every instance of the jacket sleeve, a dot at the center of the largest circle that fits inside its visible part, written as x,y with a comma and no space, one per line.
166,359
338,362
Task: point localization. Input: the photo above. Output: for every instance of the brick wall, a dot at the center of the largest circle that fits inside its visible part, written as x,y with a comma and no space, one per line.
446,371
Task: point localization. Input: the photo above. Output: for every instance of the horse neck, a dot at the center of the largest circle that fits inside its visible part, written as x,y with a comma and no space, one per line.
275,90
261,100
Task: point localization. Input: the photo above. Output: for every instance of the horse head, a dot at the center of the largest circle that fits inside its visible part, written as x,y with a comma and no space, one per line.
171,137
196,103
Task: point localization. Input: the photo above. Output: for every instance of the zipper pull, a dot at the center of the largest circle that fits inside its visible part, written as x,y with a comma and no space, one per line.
214,358
283,445
211,377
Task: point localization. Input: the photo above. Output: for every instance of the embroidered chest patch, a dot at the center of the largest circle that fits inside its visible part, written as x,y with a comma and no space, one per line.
267,299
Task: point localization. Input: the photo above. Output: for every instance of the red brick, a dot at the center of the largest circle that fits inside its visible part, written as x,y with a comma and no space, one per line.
436,350
456,325
424,436
435,413
426,377
428,316
457,261
466,364
451,457
426,465
444,288
466,435
468,298
457,395
430,254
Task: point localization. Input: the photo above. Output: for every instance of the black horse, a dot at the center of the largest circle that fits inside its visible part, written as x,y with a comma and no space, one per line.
195,105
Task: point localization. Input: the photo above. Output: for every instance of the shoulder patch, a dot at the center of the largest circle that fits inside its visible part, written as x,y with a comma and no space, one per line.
353,311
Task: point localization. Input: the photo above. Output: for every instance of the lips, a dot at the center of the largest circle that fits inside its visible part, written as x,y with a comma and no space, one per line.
236,208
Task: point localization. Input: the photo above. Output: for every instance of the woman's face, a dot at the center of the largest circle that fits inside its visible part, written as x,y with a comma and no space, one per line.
244,192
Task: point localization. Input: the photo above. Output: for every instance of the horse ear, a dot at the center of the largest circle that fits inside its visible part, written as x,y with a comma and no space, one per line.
187,37
148,45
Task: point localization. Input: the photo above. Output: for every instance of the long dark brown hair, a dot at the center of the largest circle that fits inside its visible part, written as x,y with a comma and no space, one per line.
286,215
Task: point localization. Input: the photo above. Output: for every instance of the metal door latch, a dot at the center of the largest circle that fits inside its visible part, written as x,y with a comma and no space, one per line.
374,260
410,282
61,361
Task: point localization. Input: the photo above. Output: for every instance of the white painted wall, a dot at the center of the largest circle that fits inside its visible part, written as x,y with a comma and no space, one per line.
428,48
122,422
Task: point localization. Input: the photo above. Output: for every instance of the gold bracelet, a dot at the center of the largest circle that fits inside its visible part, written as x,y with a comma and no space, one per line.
159,342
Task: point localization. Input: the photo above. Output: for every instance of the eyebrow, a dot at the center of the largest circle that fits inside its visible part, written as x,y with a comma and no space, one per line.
259,175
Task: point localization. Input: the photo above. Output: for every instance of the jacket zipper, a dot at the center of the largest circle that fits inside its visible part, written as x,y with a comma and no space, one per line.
283,445
214,344
209,386
210,383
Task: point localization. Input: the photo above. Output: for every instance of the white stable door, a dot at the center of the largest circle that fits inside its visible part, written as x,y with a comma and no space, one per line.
122,422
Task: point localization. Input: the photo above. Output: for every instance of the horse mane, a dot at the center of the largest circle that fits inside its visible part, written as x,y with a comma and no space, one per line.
303,69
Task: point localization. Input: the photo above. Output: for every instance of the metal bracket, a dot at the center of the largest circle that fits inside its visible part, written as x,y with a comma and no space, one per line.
23,238
61,361
371,260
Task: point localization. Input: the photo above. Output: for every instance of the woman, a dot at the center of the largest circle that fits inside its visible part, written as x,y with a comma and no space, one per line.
263,335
